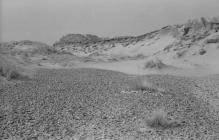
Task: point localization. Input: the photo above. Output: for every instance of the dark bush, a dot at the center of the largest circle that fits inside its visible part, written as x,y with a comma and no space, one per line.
202,51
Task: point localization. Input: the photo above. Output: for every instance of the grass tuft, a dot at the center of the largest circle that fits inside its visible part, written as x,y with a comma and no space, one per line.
155,64
158,120
142,84
9,70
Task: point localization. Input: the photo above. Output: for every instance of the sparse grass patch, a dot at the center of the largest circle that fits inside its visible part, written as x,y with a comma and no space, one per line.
213,40
12,74
202,51
159,120
142,84
154,64
180,54
9,70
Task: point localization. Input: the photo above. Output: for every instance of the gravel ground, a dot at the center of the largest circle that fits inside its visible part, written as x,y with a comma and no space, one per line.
91,104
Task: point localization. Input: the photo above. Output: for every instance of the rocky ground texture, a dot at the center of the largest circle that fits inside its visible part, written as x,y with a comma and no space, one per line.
98,104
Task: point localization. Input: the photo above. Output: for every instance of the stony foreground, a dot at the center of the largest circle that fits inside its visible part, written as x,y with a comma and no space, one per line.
96,104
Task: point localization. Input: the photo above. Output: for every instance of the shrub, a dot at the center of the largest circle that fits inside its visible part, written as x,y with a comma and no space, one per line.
138,56
159,120
155,64
12,74
180,54
204,21
202,51
213,40
142,84
8,70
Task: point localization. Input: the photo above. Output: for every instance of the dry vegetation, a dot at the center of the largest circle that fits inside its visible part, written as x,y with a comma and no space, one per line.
180,54
10,70
142,84
159,120
202,51
213,40
155,64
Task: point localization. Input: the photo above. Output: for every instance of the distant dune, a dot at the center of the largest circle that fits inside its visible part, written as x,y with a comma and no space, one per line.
189,48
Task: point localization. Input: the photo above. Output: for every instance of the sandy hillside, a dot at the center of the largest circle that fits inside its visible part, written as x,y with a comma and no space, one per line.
187,49
160,85
190,48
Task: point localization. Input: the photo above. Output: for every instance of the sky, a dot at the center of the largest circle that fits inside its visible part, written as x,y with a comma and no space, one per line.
48,20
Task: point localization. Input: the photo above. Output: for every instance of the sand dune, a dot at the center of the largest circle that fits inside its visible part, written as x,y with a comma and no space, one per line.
160,85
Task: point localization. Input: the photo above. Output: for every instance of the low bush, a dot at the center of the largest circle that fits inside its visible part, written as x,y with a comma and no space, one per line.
8,70
155,64
213,40
180,54
142,84
202,51
159,120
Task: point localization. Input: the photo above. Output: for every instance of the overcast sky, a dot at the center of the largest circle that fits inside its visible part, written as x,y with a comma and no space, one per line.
48,20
